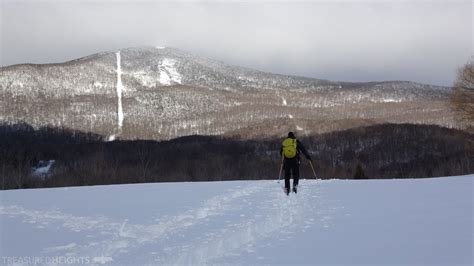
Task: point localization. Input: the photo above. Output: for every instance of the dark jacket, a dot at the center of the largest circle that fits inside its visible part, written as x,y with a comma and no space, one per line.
299,149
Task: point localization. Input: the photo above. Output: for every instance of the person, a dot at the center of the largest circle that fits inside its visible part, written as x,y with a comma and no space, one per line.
290,150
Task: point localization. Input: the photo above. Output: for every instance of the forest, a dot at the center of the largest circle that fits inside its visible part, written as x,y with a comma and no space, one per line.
373,152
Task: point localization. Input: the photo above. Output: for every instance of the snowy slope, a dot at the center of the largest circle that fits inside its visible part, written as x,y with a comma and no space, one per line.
164,93
382,222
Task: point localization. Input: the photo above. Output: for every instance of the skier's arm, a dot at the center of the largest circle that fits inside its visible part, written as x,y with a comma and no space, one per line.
303,150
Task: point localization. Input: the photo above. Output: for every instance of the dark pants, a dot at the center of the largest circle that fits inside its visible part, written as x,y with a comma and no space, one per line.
292,168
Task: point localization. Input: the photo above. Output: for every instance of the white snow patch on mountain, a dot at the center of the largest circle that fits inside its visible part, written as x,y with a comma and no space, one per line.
17,83
119,94
168,73
160,47
328,222
111,138
389,100
98,84
43,168
144,78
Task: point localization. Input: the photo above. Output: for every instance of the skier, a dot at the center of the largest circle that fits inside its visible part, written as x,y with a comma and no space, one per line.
290,150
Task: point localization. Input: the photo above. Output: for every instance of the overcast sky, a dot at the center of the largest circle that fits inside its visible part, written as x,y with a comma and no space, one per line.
422,41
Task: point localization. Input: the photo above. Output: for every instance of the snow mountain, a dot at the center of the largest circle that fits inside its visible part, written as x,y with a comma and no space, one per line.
163,93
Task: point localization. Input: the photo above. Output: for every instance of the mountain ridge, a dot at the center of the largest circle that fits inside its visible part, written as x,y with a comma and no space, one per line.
169,93
110,52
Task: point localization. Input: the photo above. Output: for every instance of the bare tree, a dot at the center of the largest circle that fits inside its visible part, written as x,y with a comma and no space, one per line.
114,165
145,158
3,175
462,99
23,167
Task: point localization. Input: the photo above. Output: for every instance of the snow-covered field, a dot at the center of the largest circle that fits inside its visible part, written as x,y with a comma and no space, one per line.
379,222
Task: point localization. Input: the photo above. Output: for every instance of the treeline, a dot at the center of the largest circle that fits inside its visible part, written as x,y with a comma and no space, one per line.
381,151
395,151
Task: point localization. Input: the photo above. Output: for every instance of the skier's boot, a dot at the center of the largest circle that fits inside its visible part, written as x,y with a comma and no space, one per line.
295,189
287,191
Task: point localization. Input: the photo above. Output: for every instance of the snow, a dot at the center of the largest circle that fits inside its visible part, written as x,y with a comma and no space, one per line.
42,170
98,84
144,78
160,47
378,222
390,100
119,93
168,73
283,100
111,138
18,83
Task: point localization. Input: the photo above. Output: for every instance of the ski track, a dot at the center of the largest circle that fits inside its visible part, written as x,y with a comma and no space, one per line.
119,93
278,215
275,215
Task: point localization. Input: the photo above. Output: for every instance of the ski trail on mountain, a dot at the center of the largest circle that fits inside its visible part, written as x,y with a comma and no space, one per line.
119,93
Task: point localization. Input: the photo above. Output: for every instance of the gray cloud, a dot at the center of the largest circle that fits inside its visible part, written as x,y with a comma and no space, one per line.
352,41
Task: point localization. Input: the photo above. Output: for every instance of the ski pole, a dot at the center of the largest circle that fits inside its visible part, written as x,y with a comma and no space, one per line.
312,168
281,168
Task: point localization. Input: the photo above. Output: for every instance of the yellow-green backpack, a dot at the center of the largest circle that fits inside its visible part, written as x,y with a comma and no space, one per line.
289,148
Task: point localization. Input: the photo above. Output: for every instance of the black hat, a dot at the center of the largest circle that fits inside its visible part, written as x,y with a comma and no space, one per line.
291,135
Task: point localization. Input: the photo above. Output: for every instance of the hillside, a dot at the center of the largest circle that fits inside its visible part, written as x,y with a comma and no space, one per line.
77,159
382,222
163,93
